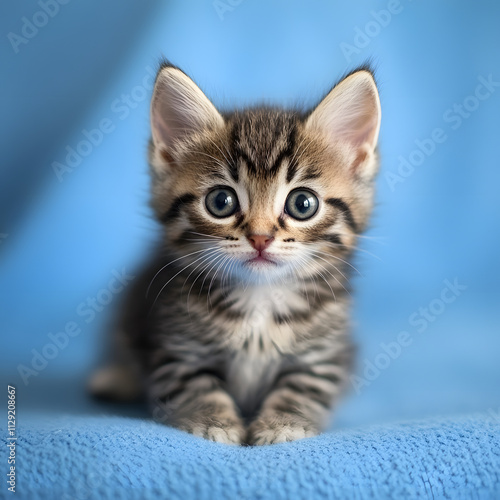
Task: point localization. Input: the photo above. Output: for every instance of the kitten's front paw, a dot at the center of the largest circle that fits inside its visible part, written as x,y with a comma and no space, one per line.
218,430
279,428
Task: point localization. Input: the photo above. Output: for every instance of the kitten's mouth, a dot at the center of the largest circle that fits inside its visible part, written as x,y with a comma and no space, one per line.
261,260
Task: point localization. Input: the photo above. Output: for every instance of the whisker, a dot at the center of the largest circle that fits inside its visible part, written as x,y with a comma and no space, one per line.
174,276
206,257
217,160
304,287
331,264
220,150
311,275
226,274
329,286
200,240
207,235
209,271
377,239
209,300
196,279
334,277
232,262
355,248
300,152
175,260
336,257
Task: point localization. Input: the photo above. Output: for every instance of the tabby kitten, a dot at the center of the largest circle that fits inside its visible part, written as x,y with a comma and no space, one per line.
238,331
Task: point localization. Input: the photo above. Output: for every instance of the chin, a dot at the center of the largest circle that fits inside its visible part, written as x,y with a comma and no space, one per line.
262,271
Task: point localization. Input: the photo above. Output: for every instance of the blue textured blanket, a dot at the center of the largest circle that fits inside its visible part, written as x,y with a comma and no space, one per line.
63,235
68,457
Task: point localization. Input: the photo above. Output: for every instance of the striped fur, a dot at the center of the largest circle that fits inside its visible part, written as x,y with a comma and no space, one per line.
230,350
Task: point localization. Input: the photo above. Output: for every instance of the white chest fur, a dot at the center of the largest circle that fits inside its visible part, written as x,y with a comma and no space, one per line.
258,341
257,332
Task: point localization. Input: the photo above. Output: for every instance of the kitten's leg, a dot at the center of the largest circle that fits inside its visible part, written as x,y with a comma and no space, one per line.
121,379
117,382
299,405
195,401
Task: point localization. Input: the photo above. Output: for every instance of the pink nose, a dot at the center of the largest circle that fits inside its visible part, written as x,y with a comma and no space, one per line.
260,241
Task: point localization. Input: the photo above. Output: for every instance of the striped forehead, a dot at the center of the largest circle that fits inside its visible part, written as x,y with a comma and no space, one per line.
262,141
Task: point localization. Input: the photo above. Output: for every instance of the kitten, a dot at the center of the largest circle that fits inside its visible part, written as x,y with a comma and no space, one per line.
240,325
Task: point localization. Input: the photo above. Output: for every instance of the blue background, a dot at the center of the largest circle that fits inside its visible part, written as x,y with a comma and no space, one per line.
65,238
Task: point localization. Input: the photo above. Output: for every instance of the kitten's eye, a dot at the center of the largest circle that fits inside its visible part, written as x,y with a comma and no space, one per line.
221,202
301,204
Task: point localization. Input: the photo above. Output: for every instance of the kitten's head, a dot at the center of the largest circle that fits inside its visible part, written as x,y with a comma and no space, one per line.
263,193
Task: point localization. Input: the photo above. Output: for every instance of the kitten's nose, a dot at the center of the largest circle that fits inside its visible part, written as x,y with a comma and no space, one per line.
260,241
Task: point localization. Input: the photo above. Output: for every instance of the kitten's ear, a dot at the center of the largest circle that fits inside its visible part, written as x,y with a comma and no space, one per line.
350,113
178,109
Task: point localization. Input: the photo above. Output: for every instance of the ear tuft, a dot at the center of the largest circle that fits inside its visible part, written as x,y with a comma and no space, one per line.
350,112
179,109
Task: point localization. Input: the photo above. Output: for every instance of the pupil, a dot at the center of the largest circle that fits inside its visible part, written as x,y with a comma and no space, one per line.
222,200
302,203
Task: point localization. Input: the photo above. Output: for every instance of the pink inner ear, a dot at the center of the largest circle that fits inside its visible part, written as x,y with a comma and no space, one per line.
167,156
160,128
350,112
360,158
179,108
364,131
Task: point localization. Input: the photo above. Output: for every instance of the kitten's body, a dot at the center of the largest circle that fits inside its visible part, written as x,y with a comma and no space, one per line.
243,335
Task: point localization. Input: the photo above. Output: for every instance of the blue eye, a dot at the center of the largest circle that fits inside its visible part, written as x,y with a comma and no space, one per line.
301,204
221,202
